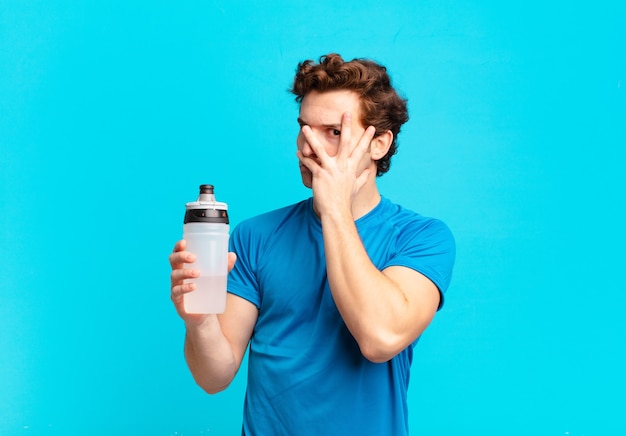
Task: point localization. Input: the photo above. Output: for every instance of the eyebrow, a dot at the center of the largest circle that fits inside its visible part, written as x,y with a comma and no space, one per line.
301,122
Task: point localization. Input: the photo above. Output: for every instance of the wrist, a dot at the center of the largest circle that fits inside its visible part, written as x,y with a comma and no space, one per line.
200,325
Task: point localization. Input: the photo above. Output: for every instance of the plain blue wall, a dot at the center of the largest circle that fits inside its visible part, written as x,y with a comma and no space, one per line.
111,114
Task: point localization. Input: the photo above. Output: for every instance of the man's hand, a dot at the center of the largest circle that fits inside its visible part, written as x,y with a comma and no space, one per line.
337,179
179,288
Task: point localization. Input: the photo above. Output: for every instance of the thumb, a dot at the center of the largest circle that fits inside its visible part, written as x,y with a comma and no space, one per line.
232,258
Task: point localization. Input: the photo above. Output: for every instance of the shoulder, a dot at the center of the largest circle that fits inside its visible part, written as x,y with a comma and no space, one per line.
268,223
417,235
422,243
411,224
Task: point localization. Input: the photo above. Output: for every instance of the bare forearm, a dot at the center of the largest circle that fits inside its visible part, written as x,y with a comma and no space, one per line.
210,356
373,307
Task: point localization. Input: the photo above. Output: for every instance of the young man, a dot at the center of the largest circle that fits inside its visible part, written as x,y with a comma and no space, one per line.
332,293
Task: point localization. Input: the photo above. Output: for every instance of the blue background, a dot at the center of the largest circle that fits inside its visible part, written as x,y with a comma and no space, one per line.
112,113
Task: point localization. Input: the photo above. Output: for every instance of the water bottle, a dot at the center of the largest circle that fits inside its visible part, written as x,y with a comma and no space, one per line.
206,231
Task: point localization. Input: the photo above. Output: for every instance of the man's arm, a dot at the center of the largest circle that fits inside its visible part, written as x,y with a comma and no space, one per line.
214,349
384,310
214,344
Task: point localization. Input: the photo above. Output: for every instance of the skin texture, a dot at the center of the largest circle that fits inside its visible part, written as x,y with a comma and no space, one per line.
384,310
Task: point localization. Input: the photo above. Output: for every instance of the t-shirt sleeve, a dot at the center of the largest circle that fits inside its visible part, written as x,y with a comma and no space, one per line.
428,249
242,280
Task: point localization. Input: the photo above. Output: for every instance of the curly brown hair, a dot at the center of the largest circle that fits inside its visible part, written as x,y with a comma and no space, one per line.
381,106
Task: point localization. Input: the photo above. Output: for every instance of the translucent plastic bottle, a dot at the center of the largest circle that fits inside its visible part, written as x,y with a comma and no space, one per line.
206,231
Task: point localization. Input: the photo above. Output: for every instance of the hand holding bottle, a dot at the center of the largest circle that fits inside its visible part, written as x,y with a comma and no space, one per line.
182,263
205,236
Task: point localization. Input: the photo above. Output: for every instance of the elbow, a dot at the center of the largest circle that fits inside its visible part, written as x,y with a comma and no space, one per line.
383,344
381,348
377,357
380,344
212,383
212,388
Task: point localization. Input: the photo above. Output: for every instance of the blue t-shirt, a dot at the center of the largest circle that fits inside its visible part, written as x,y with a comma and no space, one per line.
306,374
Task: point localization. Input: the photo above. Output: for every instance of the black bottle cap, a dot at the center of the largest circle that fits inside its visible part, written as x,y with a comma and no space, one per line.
205,215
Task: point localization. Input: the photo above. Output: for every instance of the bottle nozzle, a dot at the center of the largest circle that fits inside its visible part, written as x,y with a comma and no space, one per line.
206,194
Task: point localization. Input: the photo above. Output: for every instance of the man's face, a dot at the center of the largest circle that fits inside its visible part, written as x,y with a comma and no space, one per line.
322,112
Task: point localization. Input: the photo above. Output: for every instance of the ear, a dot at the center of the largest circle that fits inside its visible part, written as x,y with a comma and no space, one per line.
380,145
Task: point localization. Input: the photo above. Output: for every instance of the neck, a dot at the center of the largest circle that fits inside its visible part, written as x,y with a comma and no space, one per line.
365,200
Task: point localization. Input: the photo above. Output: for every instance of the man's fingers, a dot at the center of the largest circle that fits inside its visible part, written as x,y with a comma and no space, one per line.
232,258
180,245
362,179
311,164
177,259
178,275
345,143
184,288
362,145
317,148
